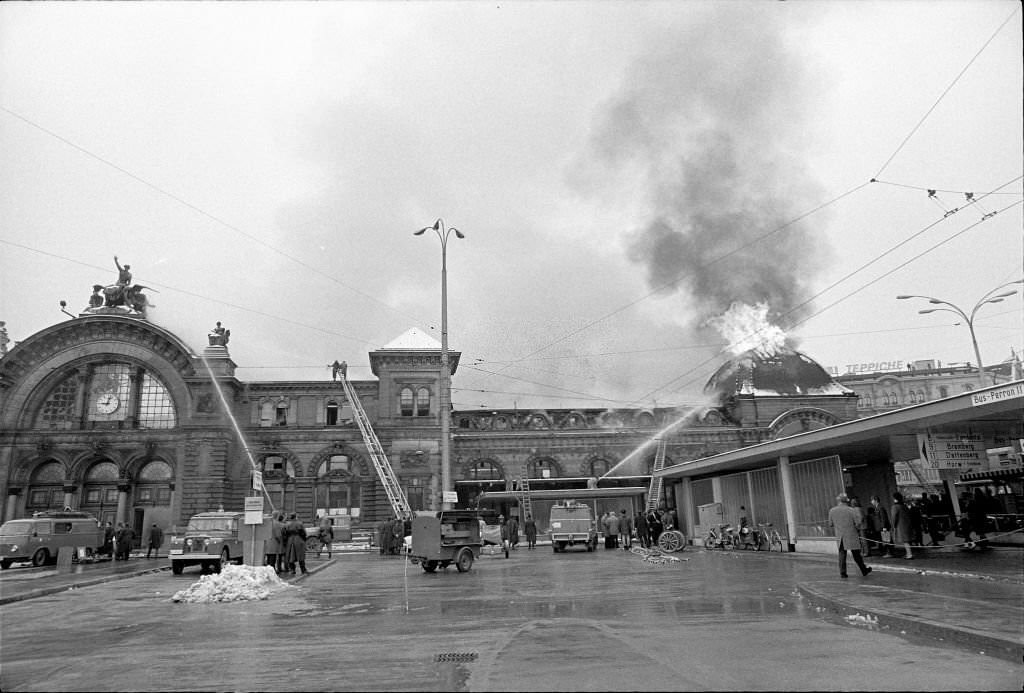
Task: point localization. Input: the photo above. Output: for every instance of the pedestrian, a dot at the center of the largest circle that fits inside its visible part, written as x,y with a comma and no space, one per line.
845,520
273,547
855,504
503,526
654,528
125,538
278,531
513,531
325,535
641,529
295,544
384,537
916,522
108,539
977,517
743,535
877,522
625,530
397,536
156,540
902,525
613,524
530,527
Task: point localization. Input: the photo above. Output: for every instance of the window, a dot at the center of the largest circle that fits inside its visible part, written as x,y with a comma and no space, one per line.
339,463
59,407
155,407
332,413
267,414
423,402
405,402
484,471
282,414
40,499
542,469
943,391
414,492
599,468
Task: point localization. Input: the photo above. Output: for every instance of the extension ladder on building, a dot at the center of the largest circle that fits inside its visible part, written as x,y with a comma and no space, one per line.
928,486
654,492
393,489
525,505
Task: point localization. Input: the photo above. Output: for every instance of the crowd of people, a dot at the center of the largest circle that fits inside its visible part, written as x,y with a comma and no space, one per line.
621,528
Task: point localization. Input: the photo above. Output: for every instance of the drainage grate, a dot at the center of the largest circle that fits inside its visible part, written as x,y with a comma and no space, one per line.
456,657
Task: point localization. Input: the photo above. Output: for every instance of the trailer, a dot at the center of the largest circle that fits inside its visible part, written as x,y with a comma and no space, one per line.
448,536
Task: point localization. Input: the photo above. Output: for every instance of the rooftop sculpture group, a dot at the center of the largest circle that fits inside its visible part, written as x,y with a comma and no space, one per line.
120,298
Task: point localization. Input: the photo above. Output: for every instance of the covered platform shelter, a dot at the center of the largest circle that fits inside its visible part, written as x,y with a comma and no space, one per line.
792,482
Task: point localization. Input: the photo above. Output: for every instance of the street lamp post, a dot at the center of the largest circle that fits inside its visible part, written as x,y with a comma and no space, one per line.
446,374
990,297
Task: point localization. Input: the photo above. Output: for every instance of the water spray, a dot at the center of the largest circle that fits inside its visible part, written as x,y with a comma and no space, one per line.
238,430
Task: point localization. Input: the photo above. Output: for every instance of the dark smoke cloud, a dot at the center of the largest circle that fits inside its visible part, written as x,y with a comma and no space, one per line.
708,129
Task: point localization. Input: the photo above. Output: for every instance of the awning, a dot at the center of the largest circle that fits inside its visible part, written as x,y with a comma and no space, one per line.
994,474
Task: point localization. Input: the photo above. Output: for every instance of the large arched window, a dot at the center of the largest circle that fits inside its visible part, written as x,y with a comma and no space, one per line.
154,486
338,490
599,467
46,491
99,491
484,470
108,395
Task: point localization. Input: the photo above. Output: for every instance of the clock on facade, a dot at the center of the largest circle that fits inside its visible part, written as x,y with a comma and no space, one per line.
107,403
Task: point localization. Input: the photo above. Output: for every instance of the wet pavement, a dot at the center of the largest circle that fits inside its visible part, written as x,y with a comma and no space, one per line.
714,620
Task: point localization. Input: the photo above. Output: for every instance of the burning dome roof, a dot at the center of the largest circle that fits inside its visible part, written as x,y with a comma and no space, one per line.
786,372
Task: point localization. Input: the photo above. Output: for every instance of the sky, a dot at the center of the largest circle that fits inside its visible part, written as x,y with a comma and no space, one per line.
624,173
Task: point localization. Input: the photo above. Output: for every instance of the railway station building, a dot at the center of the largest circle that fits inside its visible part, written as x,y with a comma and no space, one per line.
113,414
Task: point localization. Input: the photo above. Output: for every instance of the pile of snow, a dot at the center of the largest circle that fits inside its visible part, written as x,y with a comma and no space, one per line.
235,583
866,620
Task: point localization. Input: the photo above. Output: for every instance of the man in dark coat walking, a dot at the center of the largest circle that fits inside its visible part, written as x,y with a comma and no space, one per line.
845,520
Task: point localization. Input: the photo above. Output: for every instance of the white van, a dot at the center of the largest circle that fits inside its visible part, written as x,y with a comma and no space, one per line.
40,537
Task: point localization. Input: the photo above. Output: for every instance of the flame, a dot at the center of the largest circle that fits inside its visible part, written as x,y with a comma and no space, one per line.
746,328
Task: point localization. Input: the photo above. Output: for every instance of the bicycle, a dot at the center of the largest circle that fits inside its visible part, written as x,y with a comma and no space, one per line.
767,534
721,538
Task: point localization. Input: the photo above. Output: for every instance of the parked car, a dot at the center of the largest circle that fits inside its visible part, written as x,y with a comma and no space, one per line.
40,537
211,540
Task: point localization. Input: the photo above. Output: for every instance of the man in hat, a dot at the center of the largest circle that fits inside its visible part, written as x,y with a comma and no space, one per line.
846,522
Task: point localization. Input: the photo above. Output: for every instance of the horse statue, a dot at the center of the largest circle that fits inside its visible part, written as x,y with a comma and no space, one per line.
128,296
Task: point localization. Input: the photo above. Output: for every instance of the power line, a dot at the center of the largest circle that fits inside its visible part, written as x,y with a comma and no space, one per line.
943,95
199,210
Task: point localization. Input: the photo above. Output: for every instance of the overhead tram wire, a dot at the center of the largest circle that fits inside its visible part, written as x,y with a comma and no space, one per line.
840,300
193,294
943,94
208,215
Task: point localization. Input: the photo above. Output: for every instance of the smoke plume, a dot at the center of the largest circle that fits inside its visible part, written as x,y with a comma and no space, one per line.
707,130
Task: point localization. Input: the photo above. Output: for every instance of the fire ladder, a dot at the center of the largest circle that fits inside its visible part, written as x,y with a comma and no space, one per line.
525,505
393,489
928,486
654,492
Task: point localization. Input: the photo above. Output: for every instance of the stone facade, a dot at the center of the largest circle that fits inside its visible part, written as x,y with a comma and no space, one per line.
115,415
